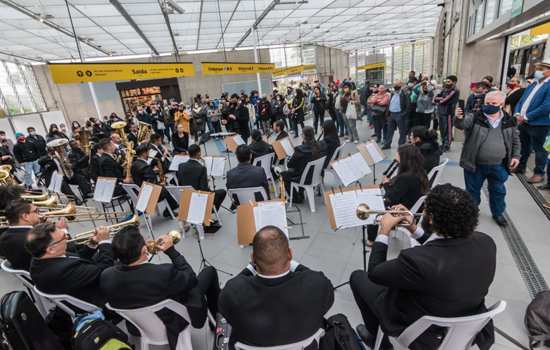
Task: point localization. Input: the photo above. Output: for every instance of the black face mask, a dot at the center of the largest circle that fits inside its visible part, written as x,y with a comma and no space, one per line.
397,87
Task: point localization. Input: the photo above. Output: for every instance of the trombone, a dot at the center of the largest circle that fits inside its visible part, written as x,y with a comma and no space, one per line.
71,212
86,237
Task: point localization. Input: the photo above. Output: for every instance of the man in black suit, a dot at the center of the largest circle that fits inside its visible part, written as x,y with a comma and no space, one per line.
153,283
245,174
142,171
21,216
235,117
279,130
38,142
108,166
258,147
132,135
273,301
193,173
55,271
448,276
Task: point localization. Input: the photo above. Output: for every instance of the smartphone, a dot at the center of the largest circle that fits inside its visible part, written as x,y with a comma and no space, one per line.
461,104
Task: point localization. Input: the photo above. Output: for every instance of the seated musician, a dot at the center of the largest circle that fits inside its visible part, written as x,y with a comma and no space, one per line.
21,216
279,304
119,146
309,150
258,147
143,171
426,141
133,134
152,283
180,140
330,141
193,173
56,271
108,166
161,152
245,174
448,276
279,130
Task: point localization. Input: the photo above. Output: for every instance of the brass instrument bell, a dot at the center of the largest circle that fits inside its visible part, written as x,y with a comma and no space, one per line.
153,246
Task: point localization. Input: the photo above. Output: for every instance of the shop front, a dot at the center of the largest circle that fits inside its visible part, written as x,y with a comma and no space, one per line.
144,92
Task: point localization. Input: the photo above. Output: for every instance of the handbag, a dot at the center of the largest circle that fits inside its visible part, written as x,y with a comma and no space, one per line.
351,111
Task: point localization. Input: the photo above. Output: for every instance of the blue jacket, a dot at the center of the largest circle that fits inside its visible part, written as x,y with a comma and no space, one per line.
538,112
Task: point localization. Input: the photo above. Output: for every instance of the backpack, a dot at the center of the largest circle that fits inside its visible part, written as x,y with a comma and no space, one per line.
339,335
537,320
93,332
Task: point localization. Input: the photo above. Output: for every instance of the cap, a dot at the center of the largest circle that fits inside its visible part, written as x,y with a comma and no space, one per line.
544,63
19,134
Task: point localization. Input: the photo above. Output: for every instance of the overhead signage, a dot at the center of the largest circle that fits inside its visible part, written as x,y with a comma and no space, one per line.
285,71
223,68
92,72
540,29
371,66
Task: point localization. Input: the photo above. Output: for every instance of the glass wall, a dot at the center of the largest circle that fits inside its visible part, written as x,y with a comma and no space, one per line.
292,56
19,90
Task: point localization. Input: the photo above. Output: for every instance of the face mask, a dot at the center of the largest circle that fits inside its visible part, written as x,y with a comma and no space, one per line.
538,74
490,109
33,133
397,87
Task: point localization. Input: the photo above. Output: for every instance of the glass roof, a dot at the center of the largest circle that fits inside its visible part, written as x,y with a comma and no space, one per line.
41,29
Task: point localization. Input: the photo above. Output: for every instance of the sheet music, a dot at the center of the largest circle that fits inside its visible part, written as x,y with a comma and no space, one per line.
215,166
104,189
374,199
374,153
360,164
177,160
239,140
344,206
197,208
55,182
289,150
345,170
143,198
270,214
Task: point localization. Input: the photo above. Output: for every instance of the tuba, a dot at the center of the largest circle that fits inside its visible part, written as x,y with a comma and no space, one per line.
84,138
59,154
118,127
6,177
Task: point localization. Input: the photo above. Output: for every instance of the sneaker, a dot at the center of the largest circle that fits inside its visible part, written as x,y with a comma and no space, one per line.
501,221
535,179
356,141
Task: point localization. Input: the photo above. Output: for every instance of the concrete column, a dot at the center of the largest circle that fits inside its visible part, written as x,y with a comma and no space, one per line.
258,78
94,98
392,63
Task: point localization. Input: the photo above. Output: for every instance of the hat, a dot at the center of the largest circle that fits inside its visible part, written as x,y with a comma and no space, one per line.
544,63
19,134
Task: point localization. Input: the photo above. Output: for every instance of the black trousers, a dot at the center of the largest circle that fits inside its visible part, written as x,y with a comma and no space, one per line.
208,286
164,194
379,120
219,196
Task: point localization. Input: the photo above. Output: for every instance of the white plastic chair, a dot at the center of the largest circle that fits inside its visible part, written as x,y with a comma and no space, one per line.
266,161
295,346
151,328
175,191
460,335
61,300
434,177
25,278
247,194
316,180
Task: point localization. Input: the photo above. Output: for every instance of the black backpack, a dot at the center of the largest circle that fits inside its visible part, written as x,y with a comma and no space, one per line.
339,335
537,320
22,327
99,335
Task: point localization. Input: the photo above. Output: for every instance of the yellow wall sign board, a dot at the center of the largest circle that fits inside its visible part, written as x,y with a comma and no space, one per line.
222,68
279,72
92,72
371,66
541,29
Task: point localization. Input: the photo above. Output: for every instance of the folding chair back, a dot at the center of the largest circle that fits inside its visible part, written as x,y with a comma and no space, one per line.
294,346
434,177
247,194
64,302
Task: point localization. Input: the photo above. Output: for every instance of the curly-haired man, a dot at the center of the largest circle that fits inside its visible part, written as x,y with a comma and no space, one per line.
447,276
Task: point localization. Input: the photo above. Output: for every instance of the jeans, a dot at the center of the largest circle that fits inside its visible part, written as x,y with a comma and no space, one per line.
532,138
352,127
446,129
341,124
496,175
397,120
30,168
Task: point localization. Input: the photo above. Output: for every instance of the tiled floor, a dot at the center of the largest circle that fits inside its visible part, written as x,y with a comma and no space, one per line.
337,254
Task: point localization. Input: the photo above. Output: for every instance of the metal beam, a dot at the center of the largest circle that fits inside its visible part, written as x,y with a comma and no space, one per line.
2,52
169,26
258,20
51,24
131,22
226,26
200,24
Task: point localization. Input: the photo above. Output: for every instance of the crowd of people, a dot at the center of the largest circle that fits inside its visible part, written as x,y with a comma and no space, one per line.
501,130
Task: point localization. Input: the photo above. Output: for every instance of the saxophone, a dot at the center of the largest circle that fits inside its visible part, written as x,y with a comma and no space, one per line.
129,160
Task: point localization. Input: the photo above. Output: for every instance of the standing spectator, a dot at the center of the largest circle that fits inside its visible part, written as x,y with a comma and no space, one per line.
426,141
378,104
350,109
491,149
319,101
214,115
424,105
532,114
54,133
6,155
297,111
25,153
180,140
5,141
399,107
342,127
489,81
515,91
446,102
236,117
277,107
38,142
475,100
265,114
331,100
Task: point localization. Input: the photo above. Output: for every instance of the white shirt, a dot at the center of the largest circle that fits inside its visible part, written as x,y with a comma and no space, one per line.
384,239
527,102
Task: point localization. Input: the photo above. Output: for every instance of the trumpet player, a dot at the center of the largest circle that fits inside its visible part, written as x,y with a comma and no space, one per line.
56,271
153,283
108,166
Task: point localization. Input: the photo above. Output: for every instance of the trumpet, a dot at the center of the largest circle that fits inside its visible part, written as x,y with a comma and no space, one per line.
86,237
154,246
364,211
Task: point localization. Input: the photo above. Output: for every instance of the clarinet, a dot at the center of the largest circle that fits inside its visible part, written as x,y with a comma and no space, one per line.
391,168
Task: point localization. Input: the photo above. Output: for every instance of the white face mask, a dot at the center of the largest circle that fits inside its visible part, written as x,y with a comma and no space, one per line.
33,133
538,74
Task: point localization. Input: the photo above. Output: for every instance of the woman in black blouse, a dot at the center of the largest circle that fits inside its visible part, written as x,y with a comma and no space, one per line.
330,141
180,140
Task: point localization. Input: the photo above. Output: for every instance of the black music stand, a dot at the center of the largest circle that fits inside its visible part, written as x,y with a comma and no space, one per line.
204,261
365,251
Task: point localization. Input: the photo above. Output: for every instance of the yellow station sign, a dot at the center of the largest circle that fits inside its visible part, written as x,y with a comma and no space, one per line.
371,66
285,71
93,72
222,68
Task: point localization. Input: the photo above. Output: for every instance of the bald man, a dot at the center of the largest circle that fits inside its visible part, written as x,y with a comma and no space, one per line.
275,301
491,150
